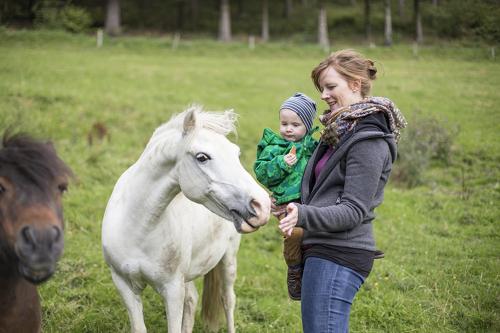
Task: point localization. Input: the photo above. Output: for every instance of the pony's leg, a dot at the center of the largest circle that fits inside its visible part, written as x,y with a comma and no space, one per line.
173,296
228,296
190,301
132,299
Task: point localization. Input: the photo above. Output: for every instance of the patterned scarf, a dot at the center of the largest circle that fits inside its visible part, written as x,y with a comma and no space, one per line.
343,120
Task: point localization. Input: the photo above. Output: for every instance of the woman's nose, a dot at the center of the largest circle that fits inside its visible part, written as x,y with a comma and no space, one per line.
324,95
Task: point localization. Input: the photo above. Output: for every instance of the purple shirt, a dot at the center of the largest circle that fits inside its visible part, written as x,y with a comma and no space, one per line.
321,163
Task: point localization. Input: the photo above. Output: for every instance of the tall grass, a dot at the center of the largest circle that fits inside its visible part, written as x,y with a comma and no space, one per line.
441,271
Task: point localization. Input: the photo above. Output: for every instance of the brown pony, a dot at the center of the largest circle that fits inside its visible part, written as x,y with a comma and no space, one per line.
32,181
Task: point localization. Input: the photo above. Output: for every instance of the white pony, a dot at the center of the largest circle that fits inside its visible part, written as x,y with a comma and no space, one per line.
153,234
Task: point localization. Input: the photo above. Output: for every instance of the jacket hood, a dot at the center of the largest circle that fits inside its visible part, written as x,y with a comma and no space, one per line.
378,122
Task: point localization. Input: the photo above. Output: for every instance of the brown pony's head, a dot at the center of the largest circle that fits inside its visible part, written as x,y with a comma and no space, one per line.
32,181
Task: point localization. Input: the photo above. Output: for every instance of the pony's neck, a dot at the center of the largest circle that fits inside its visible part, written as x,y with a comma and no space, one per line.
152,182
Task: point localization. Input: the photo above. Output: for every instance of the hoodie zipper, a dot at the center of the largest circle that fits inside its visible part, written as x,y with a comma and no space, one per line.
339,198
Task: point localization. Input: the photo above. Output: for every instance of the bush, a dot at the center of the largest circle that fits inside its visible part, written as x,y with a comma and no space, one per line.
426,139
51,15
75,19
47,15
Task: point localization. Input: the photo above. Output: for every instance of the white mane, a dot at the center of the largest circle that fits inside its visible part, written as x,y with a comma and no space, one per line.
170,132
219,122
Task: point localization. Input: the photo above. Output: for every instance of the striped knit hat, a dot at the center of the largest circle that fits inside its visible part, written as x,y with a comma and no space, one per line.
303,106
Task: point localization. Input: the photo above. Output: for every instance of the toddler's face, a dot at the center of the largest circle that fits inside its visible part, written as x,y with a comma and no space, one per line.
291,126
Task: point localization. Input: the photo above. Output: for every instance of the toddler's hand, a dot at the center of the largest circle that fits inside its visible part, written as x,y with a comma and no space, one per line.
277,211
290,159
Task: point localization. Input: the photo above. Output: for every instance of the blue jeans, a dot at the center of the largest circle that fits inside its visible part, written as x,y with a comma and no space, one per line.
327,293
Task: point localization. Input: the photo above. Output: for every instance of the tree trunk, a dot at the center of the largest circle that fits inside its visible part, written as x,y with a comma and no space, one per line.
388,23
353,3
225,22
323,27
401,8
368,25
419,35
112,25
435,3
265,21
288,8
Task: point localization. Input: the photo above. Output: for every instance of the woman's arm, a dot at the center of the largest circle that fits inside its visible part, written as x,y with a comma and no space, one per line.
365,162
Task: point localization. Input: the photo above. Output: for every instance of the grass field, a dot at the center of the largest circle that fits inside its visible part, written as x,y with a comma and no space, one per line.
442,267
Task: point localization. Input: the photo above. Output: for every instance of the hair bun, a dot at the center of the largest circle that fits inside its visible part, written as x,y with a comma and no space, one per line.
372,70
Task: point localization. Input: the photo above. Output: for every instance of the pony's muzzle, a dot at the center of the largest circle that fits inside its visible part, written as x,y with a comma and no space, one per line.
38,249
259,212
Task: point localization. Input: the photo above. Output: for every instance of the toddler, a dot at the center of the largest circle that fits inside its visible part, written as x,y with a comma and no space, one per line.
281,161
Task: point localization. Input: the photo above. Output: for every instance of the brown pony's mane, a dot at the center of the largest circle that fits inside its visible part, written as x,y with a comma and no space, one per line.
36,161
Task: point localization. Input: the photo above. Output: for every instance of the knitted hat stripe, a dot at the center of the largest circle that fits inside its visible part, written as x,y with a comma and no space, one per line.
303,106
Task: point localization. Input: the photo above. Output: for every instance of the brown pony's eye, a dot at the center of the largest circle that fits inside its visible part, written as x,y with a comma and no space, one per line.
62,187
2,189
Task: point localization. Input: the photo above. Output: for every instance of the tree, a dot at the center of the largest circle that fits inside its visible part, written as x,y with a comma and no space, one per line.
323,27
112,25
401,8
419,35
288,8
225,21
265,20
388,23
368,25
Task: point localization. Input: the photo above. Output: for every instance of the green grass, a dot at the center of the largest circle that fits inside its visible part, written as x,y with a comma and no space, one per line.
442,267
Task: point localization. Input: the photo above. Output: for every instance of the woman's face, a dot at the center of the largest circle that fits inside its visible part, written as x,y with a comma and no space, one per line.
336,91
291,126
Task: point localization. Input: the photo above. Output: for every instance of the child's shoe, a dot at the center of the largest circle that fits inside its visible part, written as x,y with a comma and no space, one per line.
294,281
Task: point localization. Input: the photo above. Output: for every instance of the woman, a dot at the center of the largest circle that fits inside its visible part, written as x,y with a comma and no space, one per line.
342,185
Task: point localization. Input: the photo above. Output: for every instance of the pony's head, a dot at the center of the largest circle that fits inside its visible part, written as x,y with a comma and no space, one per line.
210,173
32,181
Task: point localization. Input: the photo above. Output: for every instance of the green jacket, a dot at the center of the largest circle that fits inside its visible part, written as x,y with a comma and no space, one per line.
272,171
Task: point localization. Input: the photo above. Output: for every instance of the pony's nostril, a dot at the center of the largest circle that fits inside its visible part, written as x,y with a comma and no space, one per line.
253,208
27,236
56,233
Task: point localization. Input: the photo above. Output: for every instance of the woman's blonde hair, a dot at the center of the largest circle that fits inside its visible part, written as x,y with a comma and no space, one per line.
351,65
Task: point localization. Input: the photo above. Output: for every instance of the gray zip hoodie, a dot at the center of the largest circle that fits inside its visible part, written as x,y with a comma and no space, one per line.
338,208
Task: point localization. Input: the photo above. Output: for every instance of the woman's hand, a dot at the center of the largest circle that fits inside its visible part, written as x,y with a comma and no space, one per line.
290,220
290,159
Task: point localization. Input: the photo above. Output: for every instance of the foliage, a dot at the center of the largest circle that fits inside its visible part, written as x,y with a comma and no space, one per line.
50,15
461,19
467,19
426,139
75,19
441,239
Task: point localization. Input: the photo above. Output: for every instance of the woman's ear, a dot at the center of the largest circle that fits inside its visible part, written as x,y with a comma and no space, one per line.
355,85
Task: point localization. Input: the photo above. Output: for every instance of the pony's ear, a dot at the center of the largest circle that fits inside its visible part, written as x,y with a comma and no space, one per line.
189,121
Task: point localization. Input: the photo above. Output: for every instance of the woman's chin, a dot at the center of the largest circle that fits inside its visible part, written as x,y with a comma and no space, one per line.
335,107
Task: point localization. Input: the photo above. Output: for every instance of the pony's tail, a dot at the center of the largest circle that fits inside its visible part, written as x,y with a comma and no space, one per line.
212,309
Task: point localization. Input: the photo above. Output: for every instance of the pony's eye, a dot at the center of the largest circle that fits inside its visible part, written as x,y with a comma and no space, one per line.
202,157
2,189
62,187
